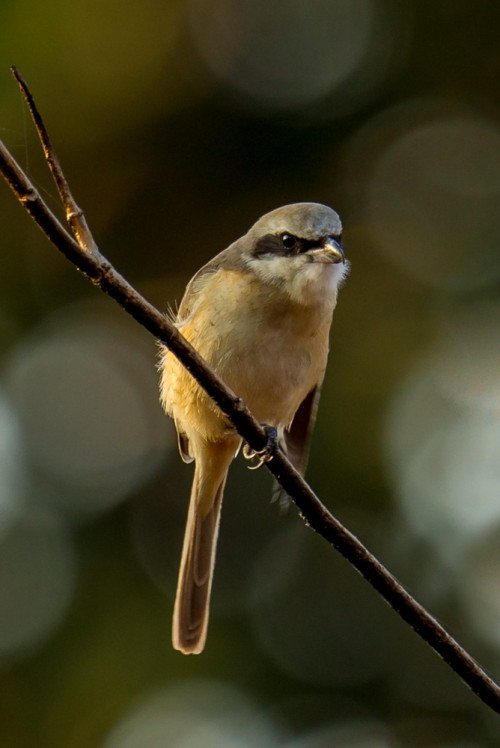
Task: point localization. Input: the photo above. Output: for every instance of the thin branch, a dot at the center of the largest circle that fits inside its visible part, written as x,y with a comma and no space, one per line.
97,269
74,214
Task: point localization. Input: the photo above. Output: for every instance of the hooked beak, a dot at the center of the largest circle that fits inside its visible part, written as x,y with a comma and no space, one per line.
329,252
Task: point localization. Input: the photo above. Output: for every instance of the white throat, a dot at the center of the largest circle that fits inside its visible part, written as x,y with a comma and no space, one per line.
306,283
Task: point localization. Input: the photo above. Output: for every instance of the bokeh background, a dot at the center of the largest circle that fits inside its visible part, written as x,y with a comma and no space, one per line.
178,123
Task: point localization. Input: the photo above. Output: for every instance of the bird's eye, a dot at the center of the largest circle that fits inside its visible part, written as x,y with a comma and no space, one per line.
289,241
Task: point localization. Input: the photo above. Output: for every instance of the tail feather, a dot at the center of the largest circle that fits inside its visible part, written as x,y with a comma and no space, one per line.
191,610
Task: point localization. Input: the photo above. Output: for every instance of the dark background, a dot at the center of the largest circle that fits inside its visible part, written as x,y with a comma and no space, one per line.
178,124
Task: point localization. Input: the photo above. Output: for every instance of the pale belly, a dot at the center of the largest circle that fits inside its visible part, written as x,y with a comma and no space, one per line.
274,372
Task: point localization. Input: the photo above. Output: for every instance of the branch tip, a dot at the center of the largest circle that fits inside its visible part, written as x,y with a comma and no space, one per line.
74,214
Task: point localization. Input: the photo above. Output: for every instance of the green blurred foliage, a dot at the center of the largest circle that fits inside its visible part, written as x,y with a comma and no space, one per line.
171,162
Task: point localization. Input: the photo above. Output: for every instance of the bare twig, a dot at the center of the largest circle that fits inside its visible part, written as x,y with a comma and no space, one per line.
84,255
74,214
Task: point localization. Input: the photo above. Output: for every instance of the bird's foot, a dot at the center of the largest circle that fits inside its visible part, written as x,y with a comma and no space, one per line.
263,455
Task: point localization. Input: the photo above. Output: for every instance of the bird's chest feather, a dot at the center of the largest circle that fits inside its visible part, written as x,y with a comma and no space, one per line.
270,351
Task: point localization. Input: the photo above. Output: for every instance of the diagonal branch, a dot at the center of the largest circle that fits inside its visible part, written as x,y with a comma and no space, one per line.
85,256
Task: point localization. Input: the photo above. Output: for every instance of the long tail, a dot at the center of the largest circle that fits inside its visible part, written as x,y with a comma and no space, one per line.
192,602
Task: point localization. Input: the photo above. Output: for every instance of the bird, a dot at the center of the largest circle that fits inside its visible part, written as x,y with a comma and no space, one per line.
259,313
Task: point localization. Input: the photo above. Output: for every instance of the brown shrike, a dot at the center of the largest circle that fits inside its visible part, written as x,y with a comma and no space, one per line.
259,313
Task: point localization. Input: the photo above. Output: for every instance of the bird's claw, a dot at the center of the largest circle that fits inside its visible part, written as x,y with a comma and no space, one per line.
263,455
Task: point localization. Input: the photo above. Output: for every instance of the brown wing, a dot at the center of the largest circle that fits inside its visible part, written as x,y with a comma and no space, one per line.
296,441
192,289
185,308
228,258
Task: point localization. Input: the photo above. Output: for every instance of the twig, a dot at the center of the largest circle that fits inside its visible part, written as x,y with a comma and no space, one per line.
85,256
74,214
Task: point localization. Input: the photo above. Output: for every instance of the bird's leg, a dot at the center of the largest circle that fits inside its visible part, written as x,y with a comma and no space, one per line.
266,454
